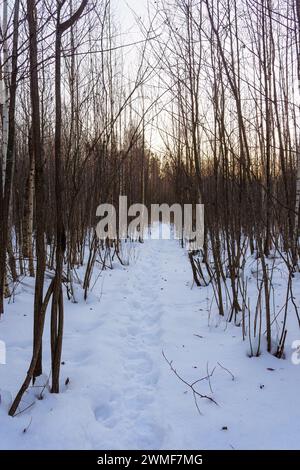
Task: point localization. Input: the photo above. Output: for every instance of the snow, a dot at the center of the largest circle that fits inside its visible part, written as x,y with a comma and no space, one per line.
120,391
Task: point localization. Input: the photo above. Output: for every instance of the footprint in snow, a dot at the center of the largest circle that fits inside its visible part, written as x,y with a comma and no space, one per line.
139,402
136,305
141,363
152,318
104,414
133,330
149,435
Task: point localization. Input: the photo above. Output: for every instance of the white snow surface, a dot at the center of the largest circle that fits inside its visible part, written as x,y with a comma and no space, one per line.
121,393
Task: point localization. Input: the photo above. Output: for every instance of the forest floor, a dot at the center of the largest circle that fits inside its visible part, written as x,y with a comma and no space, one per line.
118,391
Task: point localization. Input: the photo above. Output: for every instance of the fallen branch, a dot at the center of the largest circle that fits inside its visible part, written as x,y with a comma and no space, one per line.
196,394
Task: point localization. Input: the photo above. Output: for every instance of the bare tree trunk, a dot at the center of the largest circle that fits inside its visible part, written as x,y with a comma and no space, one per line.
39,185
57,298
4,291
297,202
8,148
5,94
29,204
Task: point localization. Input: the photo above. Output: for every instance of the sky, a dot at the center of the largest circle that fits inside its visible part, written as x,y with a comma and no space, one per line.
123,9
124,12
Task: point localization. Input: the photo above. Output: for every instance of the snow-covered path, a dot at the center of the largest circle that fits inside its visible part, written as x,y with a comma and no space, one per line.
121,393
139,310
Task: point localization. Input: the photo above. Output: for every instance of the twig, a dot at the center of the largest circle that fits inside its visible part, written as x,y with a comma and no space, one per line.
44,386
28,426
209,375
191,386
224,368
25,409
